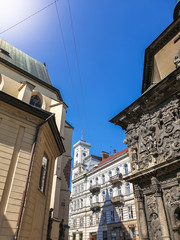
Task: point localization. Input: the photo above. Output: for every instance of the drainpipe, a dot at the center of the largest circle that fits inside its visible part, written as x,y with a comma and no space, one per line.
27,178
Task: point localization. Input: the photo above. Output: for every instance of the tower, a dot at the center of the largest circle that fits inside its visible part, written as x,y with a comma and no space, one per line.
152,125
81,151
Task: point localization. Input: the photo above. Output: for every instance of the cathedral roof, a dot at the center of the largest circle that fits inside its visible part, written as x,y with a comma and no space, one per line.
20,61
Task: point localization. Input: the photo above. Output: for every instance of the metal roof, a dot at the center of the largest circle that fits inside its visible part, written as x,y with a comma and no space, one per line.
24,62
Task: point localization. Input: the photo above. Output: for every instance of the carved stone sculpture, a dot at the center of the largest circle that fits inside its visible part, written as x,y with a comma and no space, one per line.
177,59
155,227
49,224
156,137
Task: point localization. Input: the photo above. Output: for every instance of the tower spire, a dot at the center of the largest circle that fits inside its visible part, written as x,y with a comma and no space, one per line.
177,11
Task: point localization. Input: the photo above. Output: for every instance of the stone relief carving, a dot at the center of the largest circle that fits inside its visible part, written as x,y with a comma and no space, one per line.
151,205
172,199
155,226
172,196
177,60
156,137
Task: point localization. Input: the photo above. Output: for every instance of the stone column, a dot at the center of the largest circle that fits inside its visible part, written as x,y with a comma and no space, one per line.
142,223
161,210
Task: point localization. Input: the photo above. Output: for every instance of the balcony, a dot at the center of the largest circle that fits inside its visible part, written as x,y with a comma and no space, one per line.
94,188
95,207
116,178
118,199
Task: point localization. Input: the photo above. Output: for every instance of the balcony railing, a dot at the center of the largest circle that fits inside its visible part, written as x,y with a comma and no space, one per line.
116,178
117,199
95,207
94,188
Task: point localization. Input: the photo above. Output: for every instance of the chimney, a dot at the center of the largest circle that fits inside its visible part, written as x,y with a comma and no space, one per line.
114,151
104,155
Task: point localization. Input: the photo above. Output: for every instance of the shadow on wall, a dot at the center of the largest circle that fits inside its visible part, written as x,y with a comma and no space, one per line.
7,229
110,226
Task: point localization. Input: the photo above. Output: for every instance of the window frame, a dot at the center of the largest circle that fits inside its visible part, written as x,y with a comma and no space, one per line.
41,175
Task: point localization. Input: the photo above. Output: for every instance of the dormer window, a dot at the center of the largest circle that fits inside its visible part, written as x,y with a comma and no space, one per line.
35,101
4,52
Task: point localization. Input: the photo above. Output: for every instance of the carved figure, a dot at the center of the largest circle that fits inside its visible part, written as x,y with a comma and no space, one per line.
156,137
177,59
49,224
151,205
155,226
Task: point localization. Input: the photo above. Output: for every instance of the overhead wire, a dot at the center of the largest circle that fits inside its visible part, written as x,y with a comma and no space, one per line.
30,16
78,65
67,60
63,40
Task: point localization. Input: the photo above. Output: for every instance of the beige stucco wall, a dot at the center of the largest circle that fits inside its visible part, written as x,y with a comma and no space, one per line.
164,60
16,139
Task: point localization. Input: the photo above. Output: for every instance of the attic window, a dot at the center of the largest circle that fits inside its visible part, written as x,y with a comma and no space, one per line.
4,52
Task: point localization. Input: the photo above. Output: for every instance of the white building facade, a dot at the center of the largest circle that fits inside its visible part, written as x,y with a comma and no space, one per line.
102,204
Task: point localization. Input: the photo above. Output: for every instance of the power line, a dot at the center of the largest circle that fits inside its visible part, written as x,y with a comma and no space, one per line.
32,15
67,61
78,65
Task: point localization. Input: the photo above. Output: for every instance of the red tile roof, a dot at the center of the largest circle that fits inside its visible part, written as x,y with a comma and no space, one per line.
113,156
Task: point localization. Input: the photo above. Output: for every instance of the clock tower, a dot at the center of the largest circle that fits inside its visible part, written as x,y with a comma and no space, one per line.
81,151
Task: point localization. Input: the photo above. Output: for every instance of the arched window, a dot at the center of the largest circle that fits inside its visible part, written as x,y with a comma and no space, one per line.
117,170
119,190
35,101
111,192
97,180
43,175
90,182
103,178
127,188
104,196
110,174
81,203
126,169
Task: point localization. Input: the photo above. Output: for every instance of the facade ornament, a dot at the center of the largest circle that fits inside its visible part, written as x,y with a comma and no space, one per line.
156,137
155,226
151,204
177,60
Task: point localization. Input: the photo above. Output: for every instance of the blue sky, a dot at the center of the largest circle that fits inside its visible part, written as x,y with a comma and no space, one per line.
111,37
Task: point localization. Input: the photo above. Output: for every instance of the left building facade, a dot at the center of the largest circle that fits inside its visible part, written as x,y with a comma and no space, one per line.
35,145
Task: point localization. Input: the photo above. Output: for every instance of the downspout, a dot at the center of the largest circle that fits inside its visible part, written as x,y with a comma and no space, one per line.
28,175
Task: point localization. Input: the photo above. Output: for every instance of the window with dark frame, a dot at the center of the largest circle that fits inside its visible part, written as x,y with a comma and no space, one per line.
43,175
35,101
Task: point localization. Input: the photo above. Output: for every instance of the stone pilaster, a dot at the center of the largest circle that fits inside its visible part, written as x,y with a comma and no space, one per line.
142,226
161,211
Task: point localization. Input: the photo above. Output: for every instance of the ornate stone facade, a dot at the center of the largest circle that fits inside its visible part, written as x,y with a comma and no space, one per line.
152,125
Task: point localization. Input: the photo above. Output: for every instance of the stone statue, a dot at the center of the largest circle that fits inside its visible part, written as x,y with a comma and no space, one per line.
49,224
155,226
62,230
